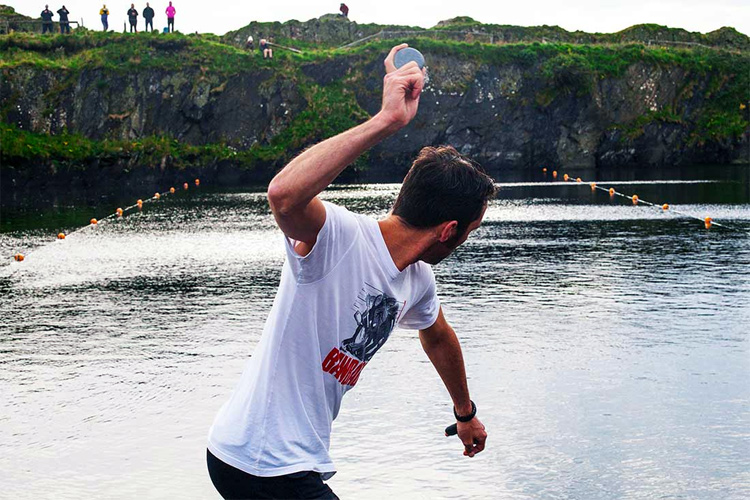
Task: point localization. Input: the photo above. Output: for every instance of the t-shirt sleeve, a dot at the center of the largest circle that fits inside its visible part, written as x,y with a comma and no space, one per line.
424,312
335,238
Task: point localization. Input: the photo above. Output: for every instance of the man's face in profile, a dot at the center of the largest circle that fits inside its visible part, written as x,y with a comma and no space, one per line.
441,250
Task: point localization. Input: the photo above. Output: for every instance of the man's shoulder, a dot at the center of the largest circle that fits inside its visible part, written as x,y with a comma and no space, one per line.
340,213
423,271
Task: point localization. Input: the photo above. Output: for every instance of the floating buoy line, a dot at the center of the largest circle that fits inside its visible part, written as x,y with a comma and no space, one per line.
708,222
636,200
120,212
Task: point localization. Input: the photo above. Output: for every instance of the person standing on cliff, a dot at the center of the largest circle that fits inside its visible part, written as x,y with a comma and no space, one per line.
347,281
104,13
64,23
148,17
133,18
47,20
171,11
344,10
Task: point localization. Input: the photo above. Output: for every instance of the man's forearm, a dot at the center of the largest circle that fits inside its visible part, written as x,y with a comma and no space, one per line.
445,355
312,171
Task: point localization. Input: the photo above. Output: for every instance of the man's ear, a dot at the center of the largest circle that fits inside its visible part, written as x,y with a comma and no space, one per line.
448,231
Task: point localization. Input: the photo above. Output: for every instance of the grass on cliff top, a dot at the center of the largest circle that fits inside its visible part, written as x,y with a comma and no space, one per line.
123,52
725,37
77,151
127,52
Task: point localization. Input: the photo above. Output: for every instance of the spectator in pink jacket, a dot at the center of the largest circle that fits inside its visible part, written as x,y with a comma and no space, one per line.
170,17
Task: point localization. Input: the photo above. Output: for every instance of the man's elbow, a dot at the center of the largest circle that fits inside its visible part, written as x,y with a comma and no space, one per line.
278,197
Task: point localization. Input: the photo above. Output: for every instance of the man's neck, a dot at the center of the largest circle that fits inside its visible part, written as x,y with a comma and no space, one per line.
406,244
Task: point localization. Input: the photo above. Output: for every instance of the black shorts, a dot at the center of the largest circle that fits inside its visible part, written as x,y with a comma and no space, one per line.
236,484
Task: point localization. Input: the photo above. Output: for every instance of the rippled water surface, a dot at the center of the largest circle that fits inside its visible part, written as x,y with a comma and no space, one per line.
607,345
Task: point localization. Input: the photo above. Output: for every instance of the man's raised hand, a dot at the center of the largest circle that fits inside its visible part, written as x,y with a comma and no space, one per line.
402,88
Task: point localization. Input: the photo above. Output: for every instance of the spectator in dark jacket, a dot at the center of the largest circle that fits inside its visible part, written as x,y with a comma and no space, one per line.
344,10
47,20
133,18
64,24
148,16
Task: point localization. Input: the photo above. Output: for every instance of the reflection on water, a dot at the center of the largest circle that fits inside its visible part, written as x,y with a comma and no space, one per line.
607,348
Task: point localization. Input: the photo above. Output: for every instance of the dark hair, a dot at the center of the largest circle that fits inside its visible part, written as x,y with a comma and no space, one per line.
443,185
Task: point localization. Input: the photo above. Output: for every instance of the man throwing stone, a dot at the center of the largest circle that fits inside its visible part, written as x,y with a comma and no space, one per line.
347,281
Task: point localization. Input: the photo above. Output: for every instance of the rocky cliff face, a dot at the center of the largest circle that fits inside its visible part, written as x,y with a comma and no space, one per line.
190,105
507,117
506,109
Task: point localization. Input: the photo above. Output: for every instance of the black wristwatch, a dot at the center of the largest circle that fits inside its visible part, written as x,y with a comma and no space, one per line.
466,418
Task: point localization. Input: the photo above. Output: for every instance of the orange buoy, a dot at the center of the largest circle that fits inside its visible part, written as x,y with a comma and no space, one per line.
140,204
707,221
554,173
635,199
171,190
119,212
578,179
60,236
94,221
665,207
593,186
185,186
19,257
198,181
544,169
157,196
611,191
566,177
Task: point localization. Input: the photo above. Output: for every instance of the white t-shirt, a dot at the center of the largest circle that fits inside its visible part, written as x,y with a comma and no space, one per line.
334,309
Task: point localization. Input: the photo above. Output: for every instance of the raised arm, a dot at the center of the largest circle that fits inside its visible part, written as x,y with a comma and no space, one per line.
442,347
293,193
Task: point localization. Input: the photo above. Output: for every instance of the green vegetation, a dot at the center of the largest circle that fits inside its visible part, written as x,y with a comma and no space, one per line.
725,37
636,128
333,109
124,53
7,11
326,32
128,52
602,61
12,20
569,72
74,150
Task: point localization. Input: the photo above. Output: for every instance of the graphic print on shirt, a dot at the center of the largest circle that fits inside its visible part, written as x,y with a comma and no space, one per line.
376,315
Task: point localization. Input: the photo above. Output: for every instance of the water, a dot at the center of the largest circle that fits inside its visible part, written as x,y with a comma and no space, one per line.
607,346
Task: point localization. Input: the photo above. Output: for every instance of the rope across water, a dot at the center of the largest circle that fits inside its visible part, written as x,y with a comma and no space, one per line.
707,221
120,212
